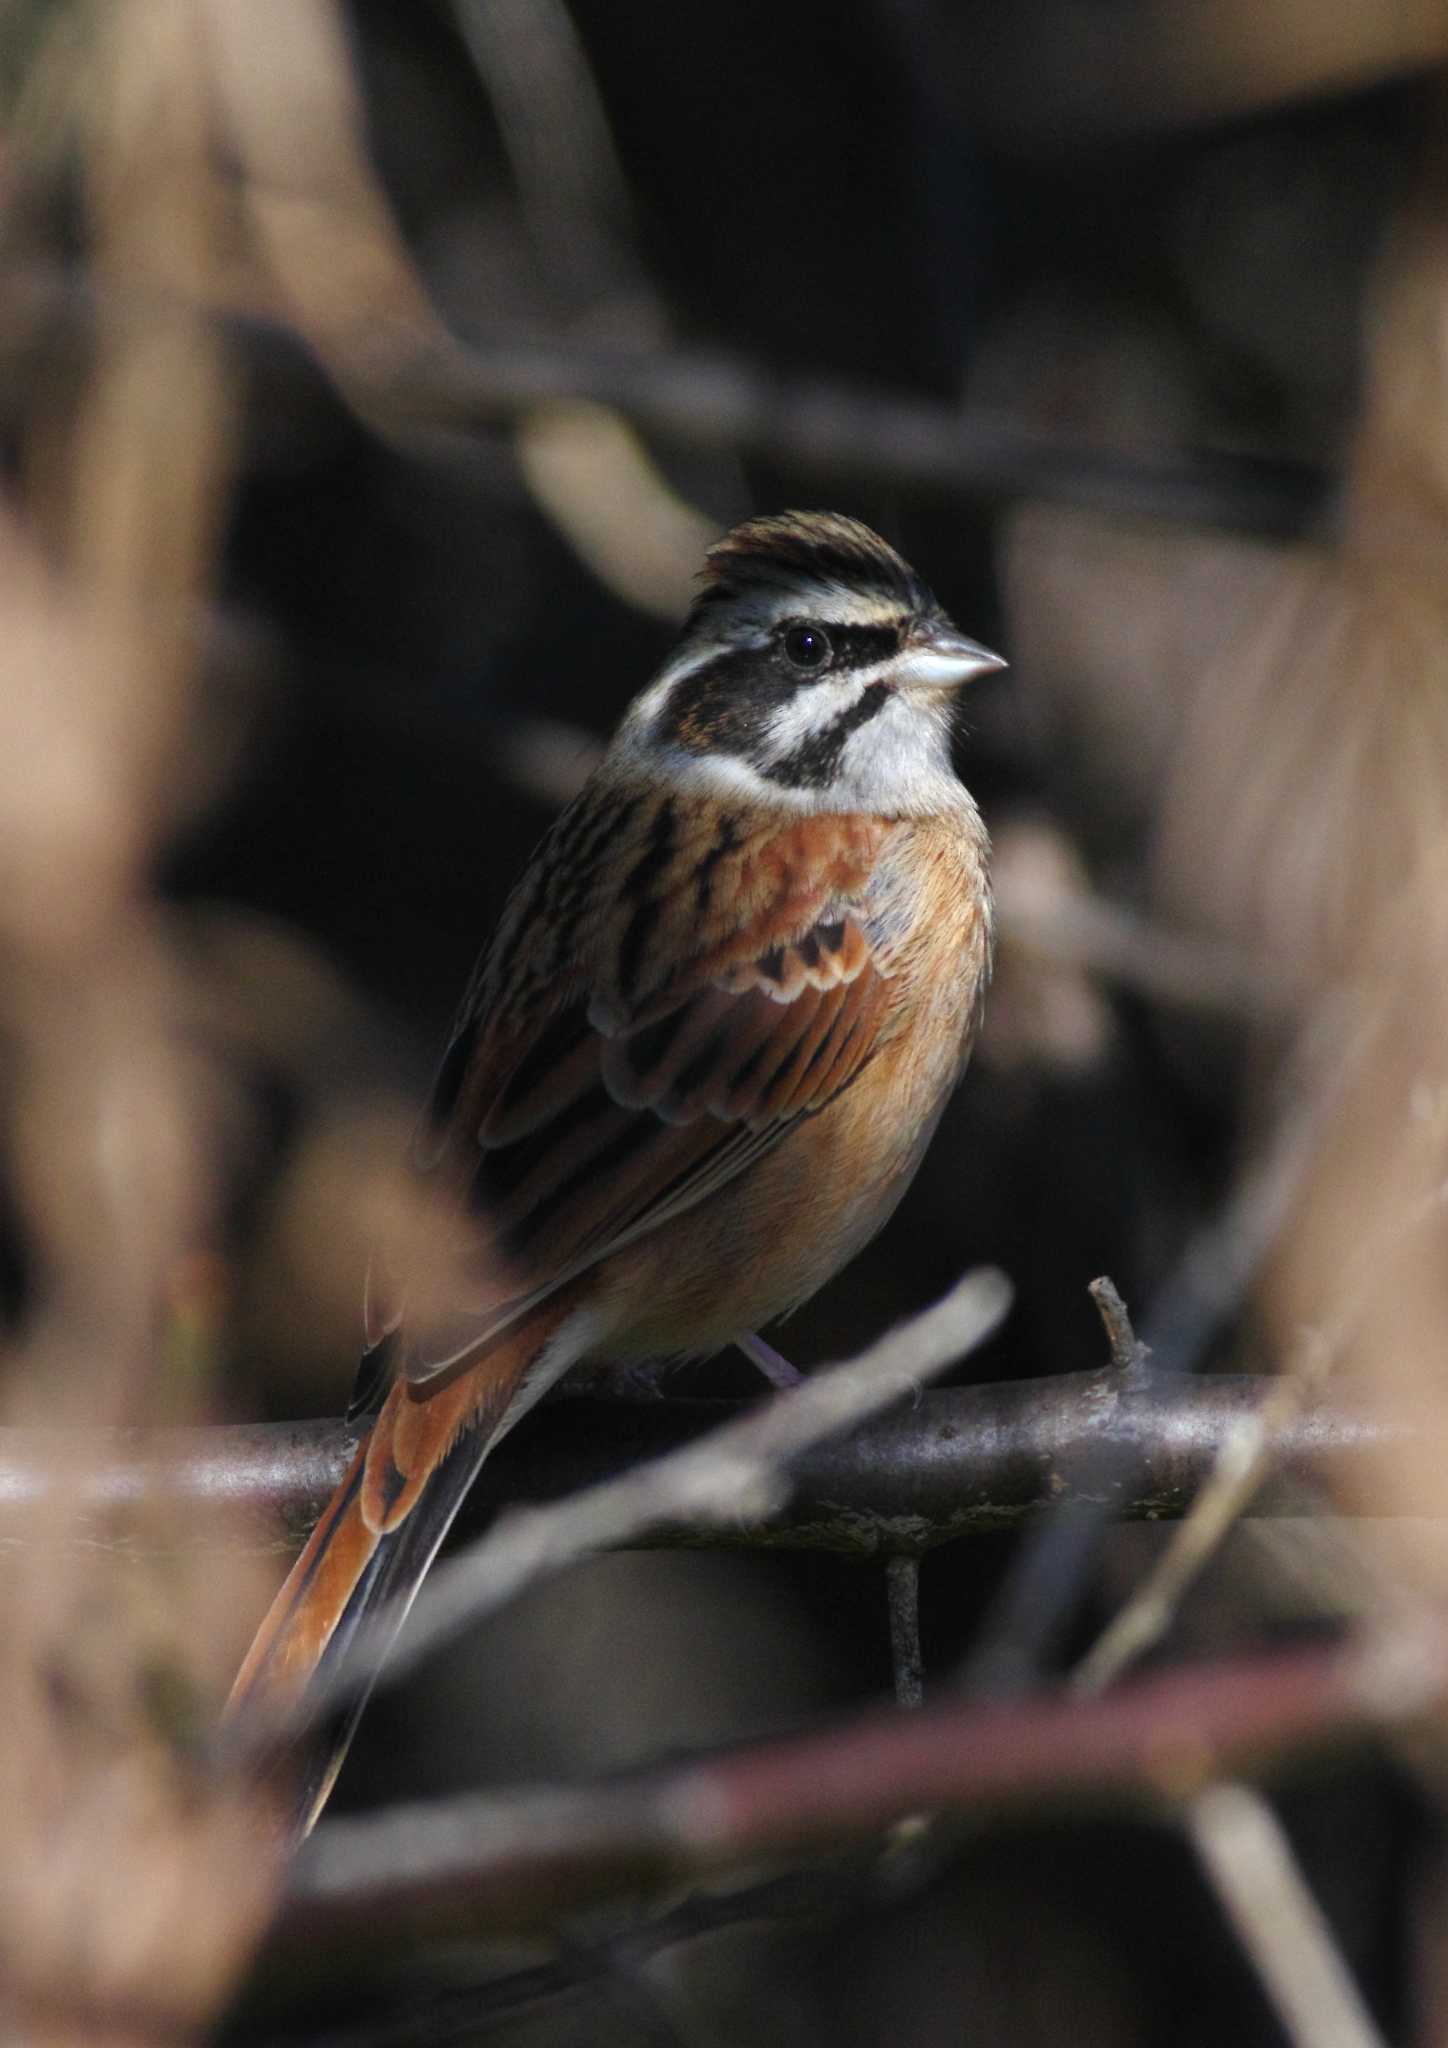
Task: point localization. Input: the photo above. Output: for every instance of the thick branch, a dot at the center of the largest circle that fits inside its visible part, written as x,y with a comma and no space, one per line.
949,1463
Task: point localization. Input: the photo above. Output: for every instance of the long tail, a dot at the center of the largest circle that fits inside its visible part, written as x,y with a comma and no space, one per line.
380,1532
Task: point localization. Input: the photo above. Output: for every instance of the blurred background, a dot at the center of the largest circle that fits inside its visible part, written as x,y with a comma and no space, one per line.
372,378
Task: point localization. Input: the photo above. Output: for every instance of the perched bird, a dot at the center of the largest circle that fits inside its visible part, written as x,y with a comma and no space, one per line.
699,1063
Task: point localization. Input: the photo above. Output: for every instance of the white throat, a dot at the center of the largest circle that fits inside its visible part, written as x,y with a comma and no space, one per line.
896,766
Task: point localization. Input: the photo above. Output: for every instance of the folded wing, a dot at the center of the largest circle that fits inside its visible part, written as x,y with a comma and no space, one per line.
600,1112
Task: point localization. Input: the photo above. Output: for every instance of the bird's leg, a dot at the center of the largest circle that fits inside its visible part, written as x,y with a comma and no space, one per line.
777,1370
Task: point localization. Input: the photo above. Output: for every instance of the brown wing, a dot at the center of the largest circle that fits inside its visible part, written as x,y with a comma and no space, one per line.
619,1099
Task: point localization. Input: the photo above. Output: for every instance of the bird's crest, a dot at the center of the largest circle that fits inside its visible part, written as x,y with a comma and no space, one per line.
825,548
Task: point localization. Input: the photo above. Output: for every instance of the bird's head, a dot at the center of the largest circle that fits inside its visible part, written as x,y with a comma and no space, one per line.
815,670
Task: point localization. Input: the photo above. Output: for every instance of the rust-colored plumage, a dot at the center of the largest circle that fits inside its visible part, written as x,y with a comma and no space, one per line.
694,1073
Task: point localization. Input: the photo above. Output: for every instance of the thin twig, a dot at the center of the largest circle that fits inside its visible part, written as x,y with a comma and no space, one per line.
1210,1281
1250,1861
902,1591
1243,1847
1242,1465
1244,1460
836,430
1242,1844
1128,1354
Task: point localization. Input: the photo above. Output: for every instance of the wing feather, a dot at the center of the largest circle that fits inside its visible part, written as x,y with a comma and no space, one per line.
587,1121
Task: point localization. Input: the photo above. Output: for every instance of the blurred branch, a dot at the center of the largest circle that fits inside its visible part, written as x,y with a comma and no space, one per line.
1249,1859
1246,1453
955,1462
290,105
597,481
1053,76
519,1860
1243,1462
837,430
455,2011
433,384
570,183
1242,1845
1160,960
1242,1465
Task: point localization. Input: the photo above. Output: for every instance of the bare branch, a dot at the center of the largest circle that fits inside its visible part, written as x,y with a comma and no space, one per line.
456,2011
1128,1354
775,1367
836,432
955,1462
1210,1281
1250,1861
528,1858
1081,927
571,186
902,1588
1242,1465
1244,1460
736,1473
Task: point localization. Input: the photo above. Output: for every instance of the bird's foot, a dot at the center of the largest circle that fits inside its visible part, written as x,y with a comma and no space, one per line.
776,1368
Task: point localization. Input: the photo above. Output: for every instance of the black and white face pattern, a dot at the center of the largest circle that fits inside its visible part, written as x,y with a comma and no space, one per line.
816,670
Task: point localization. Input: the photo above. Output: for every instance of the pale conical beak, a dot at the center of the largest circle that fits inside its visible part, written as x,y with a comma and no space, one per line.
939,658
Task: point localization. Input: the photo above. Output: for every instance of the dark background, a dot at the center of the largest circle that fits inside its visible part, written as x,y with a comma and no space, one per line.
1003,211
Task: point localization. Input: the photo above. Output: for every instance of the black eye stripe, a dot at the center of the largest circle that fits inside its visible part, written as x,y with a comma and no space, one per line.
852,646
720,706
858,646
725,705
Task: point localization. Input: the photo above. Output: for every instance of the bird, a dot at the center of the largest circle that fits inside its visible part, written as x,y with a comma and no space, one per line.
698,1065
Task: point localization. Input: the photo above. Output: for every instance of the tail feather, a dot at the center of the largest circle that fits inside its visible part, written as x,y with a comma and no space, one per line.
379,1534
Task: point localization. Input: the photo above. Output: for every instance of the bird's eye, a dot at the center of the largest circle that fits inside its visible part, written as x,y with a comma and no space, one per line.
807,646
